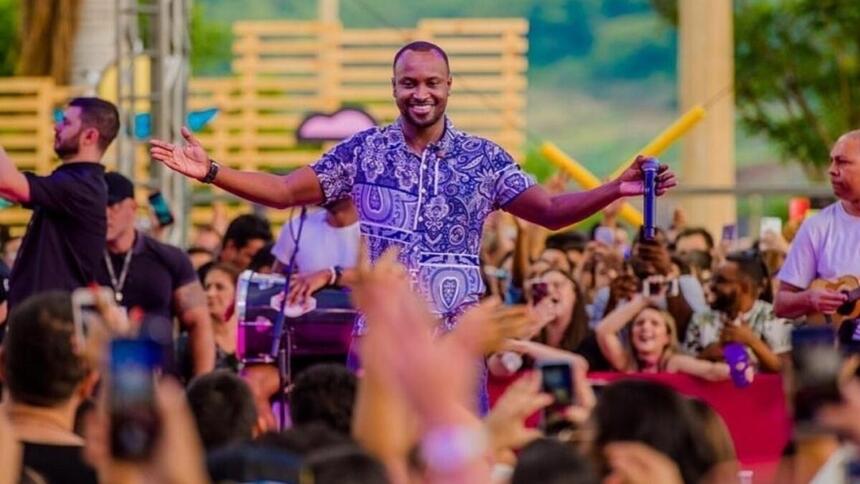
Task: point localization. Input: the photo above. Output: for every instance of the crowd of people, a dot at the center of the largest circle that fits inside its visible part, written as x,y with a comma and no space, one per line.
454,259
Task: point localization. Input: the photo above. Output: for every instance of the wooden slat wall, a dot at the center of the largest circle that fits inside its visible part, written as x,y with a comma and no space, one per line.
285,69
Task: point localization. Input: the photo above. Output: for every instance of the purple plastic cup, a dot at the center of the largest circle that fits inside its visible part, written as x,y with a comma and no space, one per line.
740,366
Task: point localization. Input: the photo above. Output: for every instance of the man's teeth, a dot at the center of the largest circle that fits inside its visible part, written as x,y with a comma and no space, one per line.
421,108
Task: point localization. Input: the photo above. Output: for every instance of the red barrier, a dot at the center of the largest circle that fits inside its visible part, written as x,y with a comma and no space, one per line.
756,415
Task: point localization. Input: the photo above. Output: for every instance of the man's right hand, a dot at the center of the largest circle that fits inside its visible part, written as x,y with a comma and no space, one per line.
825,301
303,286
190,160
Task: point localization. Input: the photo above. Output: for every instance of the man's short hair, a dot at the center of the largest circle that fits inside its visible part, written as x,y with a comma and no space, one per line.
42,367
571,240
689,232
750,266
346,464
421,46
324,393
223,409
101,115
246,228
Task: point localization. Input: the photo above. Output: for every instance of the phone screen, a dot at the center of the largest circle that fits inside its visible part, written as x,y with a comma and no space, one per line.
770,224
540,290
84,311
730,232
604,235
557,380
134,424
161,209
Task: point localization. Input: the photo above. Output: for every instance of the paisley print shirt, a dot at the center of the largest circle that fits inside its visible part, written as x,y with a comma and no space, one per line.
431,205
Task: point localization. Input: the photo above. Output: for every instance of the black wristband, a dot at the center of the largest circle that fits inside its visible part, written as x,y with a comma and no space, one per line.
212,173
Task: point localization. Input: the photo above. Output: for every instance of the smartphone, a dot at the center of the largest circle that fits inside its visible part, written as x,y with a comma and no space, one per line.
84,311
605,235
773,224
653,286
816,367
539,290
730,232
556,380
134,421
161,208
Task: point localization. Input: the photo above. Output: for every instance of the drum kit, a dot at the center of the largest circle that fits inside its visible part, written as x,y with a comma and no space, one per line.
311,333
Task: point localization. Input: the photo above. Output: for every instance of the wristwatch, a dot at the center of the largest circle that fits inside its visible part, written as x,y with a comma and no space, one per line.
212,173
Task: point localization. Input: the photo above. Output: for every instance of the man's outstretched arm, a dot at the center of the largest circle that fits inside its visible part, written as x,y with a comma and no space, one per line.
13,183
300,187
556,212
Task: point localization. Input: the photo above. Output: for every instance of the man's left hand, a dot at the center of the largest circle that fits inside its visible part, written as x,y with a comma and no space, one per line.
631,180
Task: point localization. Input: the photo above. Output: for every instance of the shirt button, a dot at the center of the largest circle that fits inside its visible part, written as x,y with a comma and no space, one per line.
420,219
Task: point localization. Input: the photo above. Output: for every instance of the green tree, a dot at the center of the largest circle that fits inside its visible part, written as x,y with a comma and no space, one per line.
797,73
10,46
210,42
558,29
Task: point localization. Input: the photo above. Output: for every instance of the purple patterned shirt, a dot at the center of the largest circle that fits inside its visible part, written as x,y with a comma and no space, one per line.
433,206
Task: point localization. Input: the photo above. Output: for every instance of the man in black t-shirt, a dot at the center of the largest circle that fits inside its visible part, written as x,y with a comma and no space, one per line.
156,277
66,236
46,380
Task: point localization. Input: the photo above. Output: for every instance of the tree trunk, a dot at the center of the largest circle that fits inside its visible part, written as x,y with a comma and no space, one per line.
95,42
48,30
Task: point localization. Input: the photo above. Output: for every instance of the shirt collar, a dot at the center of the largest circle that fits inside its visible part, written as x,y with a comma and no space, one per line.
396,138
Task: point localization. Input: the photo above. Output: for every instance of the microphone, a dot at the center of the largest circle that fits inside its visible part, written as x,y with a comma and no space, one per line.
649,172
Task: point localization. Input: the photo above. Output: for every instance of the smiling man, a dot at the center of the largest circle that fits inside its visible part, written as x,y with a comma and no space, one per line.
419,184
66,236
828,244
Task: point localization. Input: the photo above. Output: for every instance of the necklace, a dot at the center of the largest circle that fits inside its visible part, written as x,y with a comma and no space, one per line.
119,283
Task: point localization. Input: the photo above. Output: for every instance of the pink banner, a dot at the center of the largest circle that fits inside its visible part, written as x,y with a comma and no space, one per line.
757,416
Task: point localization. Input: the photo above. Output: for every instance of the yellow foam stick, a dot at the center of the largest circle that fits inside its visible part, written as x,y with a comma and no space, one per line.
585,179
667,137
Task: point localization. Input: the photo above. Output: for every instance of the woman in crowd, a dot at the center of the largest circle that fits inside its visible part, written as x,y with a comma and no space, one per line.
220,286
561,331
651,344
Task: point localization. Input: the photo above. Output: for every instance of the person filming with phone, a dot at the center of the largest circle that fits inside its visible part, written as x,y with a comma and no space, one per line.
45,377
65,239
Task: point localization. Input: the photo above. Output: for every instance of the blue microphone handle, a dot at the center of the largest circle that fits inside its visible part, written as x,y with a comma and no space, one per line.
649,171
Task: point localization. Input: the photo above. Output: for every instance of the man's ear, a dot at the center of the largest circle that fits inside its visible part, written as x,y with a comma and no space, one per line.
228,250
88,385
748,286
91,136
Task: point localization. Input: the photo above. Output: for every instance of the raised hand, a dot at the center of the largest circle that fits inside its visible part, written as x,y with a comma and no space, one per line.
499,322
631,180
637,463
505,423
190,160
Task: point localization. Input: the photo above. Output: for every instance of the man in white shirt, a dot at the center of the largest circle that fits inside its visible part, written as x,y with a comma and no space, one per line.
828,244
328,246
